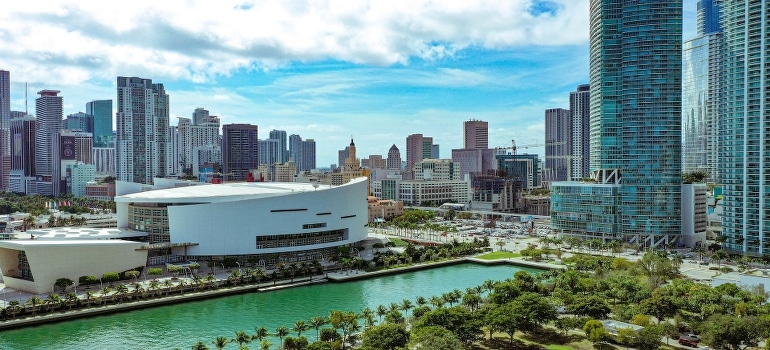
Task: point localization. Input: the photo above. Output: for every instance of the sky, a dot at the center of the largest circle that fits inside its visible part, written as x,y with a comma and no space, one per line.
375,71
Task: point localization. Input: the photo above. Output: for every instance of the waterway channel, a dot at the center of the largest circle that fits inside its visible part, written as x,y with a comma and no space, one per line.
182,325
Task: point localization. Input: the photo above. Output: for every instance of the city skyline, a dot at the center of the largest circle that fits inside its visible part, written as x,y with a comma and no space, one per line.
317,70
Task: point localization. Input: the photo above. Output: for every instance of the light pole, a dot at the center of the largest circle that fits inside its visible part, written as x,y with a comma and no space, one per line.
239,267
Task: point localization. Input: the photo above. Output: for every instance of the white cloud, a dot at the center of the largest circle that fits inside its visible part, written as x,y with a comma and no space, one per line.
198,40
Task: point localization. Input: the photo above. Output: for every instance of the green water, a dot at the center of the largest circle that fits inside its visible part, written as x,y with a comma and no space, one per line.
182,325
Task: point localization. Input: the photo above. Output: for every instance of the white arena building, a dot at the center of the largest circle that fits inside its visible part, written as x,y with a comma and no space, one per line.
252,223
259,223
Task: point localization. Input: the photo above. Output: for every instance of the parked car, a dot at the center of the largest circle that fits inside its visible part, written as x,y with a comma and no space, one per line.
688,341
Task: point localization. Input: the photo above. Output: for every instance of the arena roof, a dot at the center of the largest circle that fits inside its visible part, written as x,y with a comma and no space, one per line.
230,191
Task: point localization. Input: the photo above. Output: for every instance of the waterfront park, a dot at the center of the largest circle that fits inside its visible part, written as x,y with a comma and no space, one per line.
449,293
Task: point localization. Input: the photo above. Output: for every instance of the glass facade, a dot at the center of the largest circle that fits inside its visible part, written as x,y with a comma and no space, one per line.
701,93
636,94
745,126
586,210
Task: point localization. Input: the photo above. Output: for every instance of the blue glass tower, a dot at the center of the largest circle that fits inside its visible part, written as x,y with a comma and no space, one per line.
708,20
745,126
636,91
101,110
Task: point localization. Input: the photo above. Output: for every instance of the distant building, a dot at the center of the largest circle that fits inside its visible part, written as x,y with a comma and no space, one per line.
384,209
558,144
418,147
580,152
240,151
48,108
142,153
101,113
394,158
22,174
476,134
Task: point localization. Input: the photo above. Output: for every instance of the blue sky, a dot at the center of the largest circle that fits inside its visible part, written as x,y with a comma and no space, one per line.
376,71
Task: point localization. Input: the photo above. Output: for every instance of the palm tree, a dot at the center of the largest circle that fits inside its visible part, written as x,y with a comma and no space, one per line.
221,342
265,344
121,290
406,305
381,311
261,333
72,299
200,346
181,285
281,332
299,327
241,338
437,301
167,284
89,297
53,301
14,305
34,302
106,290
421,301
154,286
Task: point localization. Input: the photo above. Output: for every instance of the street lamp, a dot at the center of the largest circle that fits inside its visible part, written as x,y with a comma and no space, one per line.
239,267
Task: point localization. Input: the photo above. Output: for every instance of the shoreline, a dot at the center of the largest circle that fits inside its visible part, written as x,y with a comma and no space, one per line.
329,277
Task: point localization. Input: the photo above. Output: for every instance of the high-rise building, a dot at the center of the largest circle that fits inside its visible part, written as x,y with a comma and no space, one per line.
5,99
558,144
418,147
745,127
78,121
308,156
240,150
199,115
580,110
70,148
191,136
48,108
394,158
708,18
142,144
22,174
101,110
702,91
476,134
282,150
635,76
5,117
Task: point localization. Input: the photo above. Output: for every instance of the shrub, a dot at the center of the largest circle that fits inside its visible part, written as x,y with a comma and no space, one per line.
110,277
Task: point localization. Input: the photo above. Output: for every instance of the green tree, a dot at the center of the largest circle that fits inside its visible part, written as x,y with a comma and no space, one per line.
317,322
592,306
260,333
434,338
387,336
595,331
299,327
734,332
63,283
456,319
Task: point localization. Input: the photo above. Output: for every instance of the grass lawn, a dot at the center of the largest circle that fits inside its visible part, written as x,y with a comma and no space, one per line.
498,255
398,242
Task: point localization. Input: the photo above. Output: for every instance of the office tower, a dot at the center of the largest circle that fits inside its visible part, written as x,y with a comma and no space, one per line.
142,144
375,161
48,108
199,115
745,127
69,148
418,147
22,174
240,151
268,154
558,143
302,153
101,110
104,160
342,155
702,92
635,76
283,151
394,158
476,134
5,117
5,99
191,136
78,121
308,156
708,19
580,111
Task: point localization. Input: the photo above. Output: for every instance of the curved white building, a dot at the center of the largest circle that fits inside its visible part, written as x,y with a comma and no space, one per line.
249,221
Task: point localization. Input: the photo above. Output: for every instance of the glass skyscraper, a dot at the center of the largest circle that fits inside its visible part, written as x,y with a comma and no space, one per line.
636,90
101,110
745,126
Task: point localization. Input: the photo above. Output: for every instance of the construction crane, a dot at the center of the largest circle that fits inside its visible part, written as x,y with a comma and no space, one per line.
513,147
